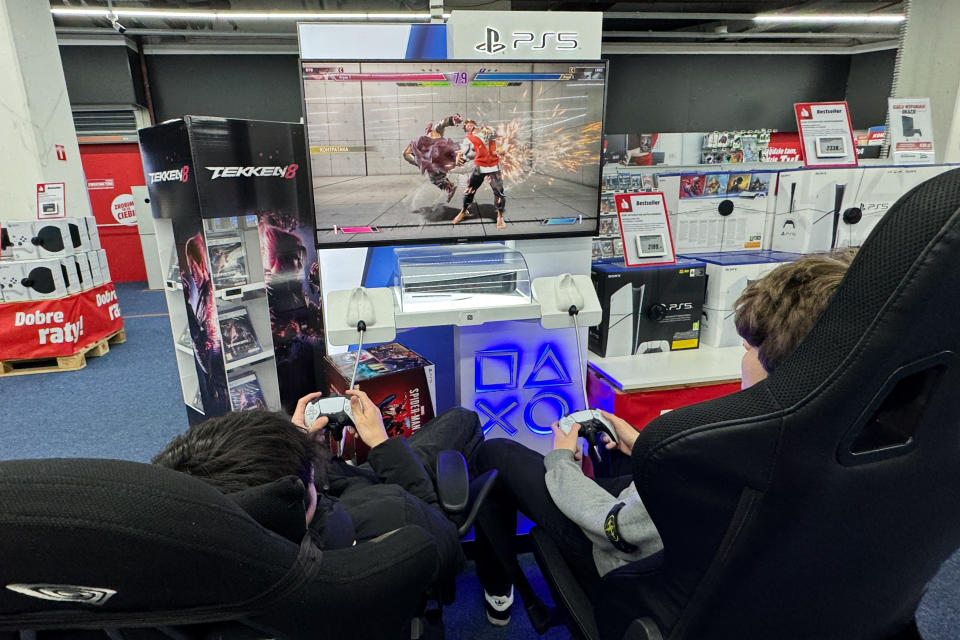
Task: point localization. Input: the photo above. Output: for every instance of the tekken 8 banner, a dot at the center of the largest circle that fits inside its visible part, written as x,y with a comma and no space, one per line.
215,168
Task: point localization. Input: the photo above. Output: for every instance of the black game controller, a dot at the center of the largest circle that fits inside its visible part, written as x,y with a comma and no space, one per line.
592,424
335,408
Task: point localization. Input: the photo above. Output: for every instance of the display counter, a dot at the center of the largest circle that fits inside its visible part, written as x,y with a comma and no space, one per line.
641,388
706,365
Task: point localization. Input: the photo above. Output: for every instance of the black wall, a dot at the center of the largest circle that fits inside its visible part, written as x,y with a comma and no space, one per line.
675,93
258,87
667,93
102,75
868,87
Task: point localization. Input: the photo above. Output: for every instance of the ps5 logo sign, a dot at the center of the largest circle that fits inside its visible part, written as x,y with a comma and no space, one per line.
563,40
492,42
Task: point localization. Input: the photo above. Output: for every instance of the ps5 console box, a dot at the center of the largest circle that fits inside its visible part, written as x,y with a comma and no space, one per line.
84,273
71,277
399,381
728,274
648,309
79,236
93,234
94,261
104,265
40,279
818,210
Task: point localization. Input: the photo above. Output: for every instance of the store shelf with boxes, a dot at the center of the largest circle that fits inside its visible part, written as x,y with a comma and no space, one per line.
57,301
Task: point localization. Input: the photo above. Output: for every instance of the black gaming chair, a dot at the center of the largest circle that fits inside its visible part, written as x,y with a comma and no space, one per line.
114,549
816,504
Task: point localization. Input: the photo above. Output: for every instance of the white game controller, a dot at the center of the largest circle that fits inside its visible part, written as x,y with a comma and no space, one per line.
337,410
592,424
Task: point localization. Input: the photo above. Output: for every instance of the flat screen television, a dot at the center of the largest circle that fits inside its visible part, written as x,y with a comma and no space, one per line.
396,145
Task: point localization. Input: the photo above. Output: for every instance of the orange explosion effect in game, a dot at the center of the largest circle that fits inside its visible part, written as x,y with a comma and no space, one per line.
564,149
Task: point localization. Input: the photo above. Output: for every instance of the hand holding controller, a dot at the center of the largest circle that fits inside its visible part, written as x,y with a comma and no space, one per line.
335,408
592,424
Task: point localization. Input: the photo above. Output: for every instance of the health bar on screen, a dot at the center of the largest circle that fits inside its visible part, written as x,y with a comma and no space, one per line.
358,229
521,77
378,77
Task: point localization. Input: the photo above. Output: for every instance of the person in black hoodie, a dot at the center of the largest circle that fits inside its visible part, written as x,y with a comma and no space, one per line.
343,504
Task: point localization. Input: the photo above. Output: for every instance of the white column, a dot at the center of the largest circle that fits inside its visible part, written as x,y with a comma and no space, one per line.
35,114
928,68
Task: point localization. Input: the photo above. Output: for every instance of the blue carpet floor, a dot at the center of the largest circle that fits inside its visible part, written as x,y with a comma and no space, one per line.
127,404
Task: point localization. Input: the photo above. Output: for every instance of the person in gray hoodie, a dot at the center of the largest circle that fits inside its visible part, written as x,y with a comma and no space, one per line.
601,523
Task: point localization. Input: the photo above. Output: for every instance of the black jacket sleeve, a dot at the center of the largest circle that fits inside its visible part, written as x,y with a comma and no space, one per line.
396,463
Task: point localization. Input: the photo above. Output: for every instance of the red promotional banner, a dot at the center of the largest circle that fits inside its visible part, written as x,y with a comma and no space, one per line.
60,327
784,147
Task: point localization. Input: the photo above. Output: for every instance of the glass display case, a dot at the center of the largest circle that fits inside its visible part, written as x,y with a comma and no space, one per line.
461,284
460,277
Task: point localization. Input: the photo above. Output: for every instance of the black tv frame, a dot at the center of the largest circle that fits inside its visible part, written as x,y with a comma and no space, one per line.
592,232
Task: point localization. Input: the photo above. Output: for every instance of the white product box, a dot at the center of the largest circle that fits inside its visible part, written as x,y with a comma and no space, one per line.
79,235
93,259
17,236
717,328
84,272
725,282
52,238
718,211
104,265
32,279
808,204
879,189
71,276
92,233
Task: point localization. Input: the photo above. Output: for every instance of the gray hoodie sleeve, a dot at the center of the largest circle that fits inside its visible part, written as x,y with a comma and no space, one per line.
587,504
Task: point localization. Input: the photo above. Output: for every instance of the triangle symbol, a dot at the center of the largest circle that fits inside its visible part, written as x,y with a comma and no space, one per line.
548,363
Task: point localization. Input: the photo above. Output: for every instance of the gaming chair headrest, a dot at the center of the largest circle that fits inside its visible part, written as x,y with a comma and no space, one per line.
122,536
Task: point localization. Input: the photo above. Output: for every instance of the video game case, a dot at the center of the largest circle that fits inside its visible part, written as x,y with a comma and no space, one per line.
236,331
246,392
228,261
184,339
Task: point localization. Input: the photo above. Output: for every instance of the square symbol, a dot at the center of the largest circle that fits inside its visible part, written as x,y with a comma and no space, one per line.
496,370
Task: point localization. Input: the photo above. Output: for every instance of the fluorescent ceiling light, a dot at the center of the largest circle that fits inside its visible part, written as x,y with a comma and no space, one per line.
835,18
239,15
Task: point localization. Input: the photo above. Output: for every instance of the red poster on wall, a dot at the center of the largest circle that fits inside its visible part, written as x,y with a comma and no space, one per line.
60,327
111,171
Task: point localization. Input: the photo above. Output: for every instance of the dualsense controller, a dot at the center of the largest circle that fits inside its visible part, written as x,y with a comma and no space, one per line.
592,424
335,408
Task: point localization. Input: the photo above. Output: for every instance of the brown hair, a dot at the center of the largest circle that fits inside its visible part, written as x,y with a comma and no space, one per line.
774,313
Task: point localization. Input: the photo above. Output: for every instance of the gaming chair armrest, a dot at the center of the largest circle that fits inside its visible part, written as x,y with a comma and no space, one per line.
461,497
453,481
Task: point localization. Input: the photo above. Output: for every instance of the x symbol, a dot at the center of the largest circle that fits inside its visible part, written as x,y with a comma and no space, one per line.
497,416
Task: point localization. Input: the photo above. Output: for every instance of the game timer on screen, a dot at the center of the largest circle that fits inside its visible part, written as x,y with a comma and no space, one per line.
453,150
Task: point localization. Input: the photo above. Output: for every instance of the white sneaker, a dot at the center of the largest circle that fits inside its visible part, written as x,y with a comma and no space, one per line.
498,608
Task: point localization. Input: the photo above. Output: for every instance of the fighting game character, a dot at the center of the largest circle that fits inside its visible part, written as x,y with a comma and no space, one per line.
480,145
435,155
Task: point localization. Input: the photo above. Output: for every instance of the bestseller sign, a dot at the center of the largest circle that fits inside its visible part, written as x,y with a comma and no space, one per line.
826,134
645,229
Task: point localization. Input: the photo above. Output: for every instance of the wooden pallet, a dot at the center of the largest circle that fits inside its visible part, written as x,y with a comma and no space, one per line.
73,362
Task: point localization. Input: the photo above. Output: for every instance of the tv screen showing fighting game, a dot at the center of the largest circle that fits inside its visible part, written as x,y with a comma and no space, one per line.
418,152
